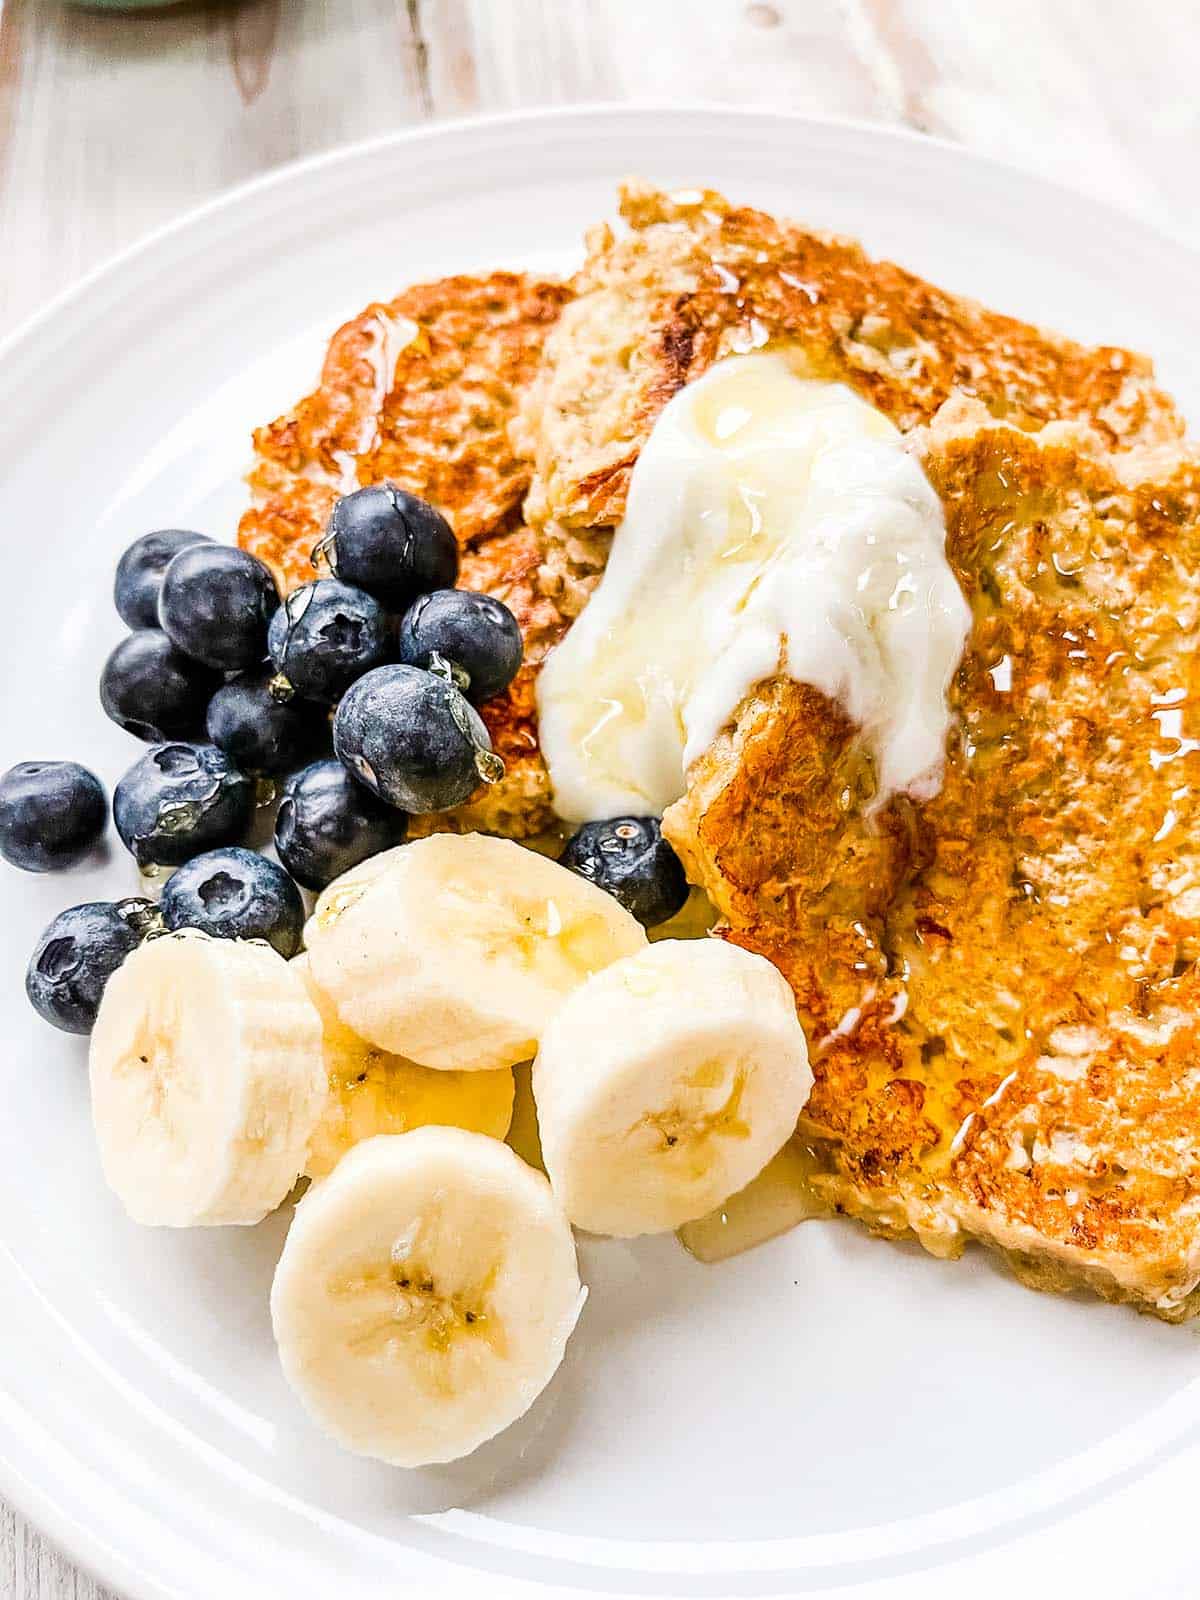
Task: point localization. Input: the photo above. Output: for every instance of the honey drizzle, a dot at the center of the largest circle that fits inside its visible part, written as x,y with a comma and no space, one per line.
781,1197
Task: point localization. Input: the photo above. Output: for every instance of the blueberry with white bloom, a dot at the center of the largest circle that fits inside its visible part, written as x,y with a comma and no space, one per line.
629,857
51,814
76,956
140,573
153,690
328,822
324,636
474,632
392,544
215,605
235,894
413,739
180,799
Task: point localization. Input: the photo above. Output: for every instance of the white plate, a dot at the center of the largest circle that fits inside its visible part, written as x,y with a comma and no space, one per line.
825,1414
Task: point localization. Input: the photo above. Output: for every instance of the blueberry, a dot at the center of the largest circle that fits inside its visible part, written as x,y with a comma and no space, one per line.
215,605
235,894
74,959
180,799
629,857
154,691
258,731
51,814
413,739
391,544
140,571
328,823
325,635
474,632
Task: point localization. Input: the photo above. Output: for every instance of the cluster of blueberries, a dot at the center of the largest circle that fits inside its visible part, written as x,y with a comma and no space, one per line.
229,686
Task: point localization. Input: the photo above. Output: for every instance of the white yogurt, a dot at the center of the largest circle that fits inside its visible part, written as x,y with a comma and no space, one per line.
775,524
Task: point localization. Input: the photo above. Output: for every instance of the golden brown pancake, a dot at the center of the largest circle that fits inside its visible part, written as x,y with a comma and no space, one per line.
420,392
1001,983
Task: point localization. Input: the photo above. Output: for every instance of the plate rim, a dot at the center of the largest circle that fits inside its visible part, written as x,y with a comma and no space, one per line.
356,149
43,1507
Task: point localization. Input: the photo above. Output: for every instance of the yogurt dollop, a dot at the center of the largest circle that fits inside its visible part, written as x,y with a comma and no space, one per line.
775,524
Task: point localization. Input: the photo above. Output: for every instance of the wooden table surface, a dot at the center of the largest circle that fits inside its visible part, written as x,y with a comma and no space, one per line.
110,125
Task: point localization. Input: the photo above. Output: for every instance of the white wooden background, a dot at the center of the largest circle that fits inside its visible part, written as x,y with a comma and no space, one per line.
110,125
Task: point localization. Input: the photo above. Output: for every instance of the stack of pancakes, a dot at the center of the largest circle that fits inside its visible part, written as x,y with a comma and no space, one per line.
1000,986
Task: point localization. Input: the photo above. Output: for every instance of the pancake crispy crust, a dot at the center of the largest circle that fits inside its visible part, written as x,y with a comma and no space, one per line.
1002,984
420,391
698,278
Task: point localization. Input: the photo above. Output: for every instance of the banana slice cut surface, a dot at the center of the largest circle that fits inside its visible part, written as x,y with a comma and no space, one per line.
459,950
342,893
207,1080
373,1092
425,1295
666,1082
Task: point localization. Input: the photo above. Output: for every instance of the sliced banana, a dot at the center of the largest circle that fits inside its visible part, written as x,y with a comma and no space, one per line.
667,1082
342,893
425,1295
373,1092
459,952
207,1080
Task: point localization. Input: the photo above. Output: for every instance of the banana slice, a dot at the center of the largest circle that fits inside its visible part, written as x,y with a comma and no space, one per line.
458,953
372,1092
207,1080
342,893
666,1083
425,1295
